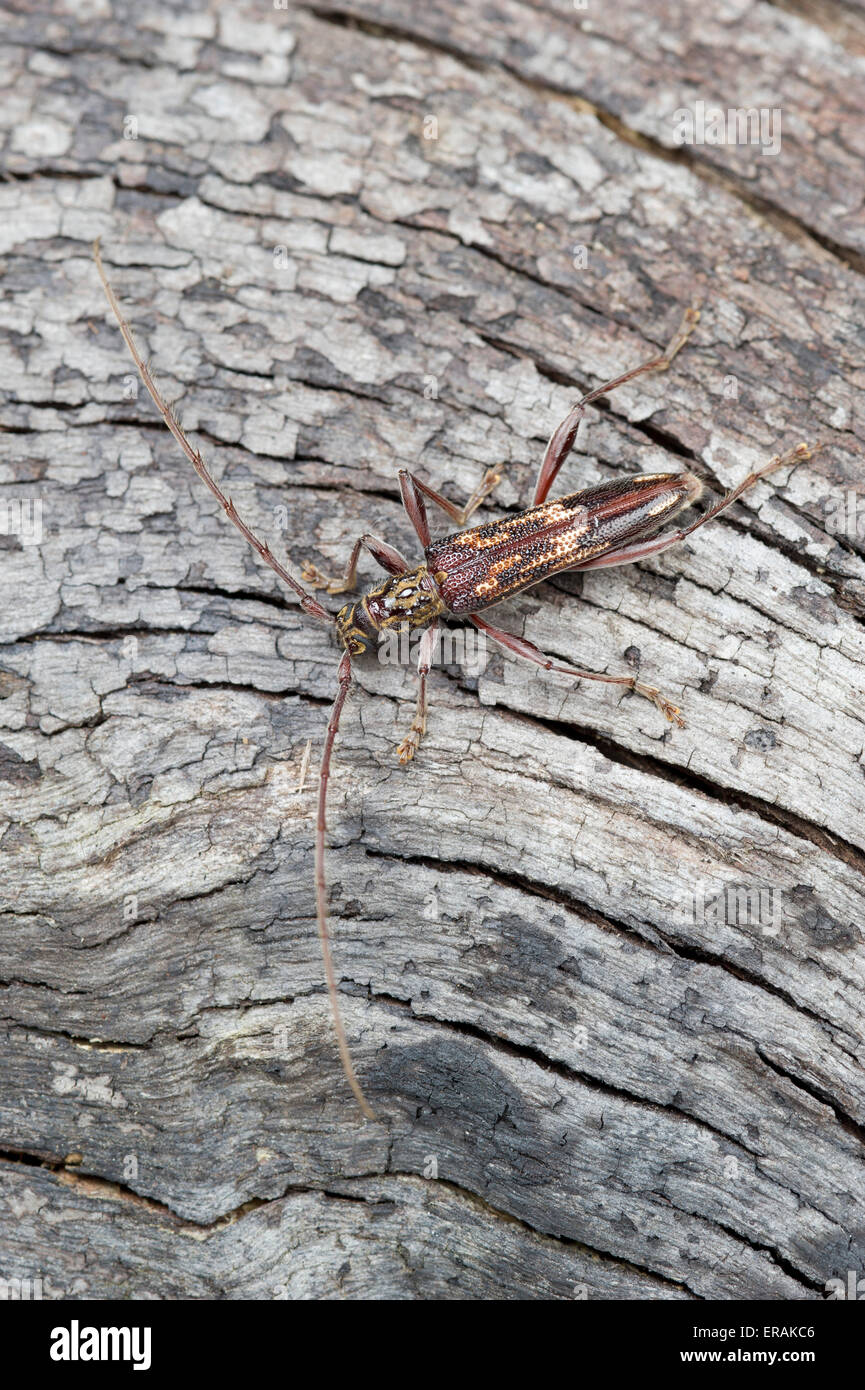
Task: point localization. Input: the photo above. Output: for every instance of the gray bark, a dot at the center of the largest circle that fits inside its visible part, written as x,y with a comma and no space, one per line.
349,240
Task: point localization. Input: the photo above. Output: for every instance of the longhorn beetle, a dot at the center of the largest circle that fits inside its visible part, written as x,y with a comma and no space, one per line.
614,523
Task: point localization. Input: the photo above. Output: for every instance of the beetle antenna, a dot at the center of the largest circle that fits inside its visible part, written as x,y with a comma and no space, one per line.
343,677
310,605
307,602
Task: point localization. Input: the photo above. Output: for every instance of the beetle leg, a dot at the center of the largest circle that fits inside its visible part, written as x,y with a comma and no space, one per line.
562,438
411,742
413,492
383,554
520,647
639,550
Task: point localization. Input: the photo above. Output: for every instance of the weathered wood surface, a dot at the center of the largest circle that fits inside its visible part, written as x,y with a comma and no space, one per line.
621,1096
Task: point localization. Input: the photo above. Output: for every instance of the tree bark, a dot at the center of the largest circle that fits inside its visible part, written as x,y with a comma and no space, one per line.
601,978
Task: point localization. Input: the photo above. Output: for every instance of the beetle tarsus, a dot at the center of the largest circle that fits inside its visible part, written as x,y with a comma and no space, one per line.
407,748
690,319
488,482
332,584
667,708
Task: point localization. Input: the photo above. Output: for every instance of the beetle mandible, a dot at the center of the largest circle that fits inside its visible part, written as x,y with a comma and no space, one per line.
461,574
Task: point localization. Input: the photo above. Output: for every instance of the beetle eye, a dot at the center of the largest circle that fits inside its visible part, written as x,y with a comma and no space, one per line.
350,633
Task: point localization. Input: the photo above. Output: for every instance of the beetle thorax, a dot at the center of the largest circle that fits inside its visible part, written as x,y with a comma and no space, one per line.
412,599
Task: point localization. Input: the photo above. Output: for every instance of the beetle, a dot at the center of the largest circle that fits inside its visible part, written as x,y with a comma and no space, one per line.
468,571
